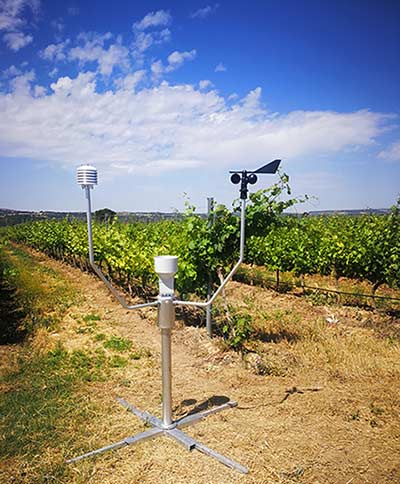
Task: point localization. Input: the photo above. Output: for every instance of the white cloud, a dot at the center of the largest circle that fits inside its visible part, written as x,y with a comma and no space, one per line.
167,126
55,52
205,84
176,59
220,68
11,13
94,38
11,71
157,68
39,91
53,72
130,81
92,47
21,85
392,153
17,40
12,21
160,18
115,56
93,50
204,12
145,40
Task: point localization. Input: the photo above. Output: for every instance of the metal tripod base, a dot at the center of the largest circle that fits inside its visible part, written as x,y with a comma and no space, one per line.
171,431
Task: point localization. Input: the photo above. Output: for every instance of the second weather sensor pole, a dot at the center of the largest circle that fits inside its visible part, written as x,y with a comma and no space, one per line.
166,268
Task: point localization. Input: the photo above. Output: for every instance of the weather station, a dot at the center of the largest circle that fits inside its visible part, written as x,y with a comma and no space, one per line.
166,267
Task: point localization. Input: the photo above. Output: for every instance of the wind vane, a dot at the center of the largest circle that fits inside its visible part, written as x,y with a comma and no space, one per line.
246,177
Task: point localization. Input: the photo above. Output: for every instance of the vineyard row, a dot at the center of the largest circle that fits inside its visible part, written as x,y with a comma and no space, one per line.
363,247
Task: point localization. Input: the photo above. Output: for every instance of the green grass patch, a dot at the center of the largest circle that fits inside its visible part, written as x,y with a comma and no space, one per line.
43,403
117,361
119,344
91,317
45,410
90,325
30,296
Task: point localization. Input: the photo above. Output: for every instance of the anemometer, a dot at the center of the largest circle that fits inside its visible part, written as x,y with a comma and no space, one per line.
166,268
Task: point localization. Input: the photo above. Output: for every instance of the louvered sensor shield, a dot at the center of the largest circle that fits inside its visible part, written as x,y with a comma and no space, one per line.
86,176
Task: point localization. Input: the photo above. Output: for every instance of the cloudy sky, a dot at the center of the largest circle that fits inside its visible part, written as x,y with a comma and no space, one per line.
165,97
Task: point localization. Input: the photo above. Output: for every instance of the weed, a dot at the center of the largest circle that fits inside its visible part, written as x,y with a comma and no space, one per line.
266,367
89,367
377,411
91,324
392,340
91,317
119,344
117,361
47,270
318,298
237,330
355,415
90,327
297,472
373,422
100,337
125,382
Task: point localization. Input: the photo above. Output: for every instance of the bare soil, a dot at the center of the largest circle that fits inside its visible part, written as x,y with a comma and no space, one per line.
318,401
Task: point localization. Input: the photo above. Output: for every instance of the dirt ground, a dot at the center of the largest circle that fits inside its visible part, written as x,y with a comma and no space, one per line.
323,414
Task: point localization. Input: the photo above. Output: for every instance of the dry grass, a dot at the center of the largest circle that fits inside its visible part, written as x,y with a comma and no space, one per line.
344,348
318,402
345,291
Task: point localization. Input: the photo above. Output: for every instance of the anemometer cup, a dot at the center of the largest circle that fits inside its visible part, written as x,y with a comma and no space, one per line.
245,177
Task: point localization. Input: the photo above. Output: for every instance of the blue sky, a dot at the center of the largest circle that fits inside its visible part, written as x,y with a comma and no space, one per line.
165,97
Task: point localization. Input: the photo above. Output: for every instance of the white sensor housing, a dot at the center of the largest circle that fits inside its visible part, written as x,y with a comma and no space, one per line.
166,267
86,176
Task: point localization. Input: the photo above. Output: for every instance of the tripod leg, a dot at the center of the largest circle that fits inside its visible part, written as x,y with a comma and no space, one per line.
192,444
224,460
189,419
148,434
145,416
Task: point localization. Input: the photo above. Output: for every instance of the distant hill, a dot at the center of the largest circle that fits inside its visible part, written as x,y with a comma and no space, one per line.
365,211
13,217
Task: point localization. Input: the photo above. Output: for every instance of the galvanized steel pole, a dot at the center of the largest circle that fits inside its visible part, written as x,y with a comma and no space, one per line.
166,378
166,267
89,223
210,208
